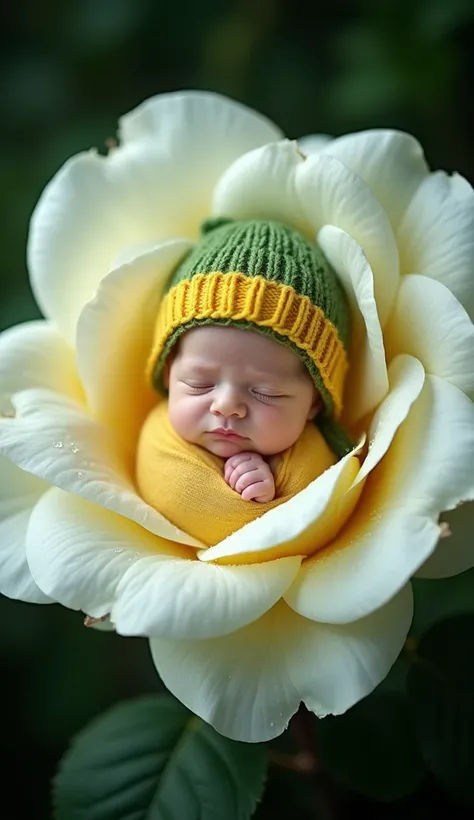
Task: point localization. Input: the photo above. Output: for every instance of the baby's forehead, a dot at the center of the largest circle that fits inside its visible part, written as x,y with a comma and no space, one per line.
215,346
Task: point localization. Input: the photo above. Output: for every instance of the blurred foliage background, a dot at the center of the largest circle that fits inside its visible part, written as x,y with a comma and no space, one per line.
69,69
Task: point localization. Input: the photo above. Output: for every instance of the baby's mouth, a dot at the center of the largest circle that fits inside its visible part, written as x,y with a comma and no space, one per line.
225,432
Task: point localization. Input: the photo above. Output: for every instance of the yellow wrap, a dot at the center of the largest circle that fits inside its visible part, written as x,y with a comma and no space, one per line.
186,483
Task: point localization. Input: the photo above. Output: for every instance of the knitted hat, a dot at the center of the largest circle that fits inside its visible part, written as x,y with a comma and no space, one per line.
265,276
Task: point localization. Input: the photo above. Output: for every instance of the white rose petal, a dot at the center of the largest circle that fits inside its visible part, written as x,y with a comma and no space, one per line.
334,195
92,559
34,355
19,493
249,684
157,185
367,380
178,599
428,322
436,236
54,439
114,337
264,184
454,552
276,182
313,143
407,378
31,354
390,162
394,529
78,551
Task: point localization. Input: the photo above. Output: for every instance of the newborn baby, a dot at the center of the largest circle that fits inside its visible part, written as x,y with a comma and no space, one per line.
250,345
243,397
235,436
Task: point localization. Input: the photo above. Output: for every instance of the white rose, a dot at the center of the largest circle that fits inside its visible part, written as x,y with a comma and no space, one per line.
241,639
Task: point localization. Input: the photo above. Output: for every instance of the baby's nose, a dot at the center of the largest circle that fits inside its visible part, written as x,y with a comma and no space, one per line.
228,403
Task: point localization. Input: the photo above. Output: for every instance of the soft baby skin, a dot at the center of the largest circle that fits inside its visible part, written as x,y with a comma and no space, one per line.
243,397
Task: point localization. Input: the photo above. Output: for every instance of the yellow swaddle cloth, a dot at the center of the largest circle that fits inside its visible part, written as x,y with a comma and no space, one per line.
185,483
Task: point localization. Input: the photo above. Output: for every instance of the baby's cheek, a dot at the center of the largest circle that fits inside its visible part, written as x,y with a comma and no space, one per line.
271,426
184,417
280,427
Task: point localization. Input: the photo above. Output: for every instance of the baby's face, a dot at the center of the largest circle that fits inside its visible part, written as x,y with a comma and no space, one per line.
234,390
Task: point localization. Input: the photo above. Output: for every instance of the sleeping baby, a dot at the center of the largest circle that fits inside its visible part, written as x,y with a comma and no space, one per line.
250,358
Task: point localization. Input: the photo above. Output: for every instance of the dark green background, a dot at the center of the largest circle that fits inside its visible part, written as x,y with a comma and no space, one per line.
69,69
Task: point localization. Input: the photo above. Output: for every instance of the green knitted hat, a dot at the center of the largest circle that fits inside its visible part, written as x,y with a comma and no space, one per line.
265,276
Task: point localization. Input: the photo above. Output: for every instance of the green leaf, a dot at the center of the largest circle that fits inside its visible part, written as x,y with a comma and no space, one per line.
441,686
372,748
151,759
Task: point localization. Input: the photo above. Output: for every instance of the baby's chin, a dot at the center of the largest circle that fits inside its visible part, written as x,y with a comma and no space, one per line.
226,449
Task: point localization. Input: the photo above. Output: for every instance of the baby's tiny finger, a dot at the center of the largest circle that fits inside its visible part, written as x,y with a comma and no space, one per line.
247,478
238,458
239,471
252,492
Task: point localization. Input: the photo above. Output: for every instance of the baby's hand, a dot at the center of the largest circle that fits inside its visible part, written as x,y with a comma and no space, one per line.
250,475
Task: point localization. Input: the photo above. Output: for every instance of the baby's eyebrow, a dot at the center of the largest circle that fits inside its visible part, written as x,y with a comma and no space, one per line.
250,372
272,377
202,367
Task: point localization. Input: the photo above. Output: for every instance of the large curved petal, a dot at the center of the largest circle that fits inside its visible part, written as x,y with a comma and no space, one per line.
455,550
157,184
407,378
33,354
19,492
264,184
300,525
114,337
334,195
200,115
394,530
278,182
428,322
91,559
250,683
436,235
191,600
53,438
390,162
433,458
367,380
313,143
78,552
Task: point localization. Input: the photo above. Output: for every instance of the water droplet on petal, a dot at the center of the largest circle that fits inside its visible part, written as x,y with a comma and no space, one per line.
118,550
79,474
271,723
58,445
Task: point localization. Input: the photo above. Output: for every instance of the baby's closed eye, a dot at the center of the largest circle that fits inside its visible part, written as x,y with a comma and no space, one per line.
198,387
267,396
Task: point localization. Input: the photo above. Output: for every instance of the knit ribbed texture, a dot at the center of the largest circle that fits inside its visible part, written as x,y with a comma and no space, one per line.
232,298
265,276
277,253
